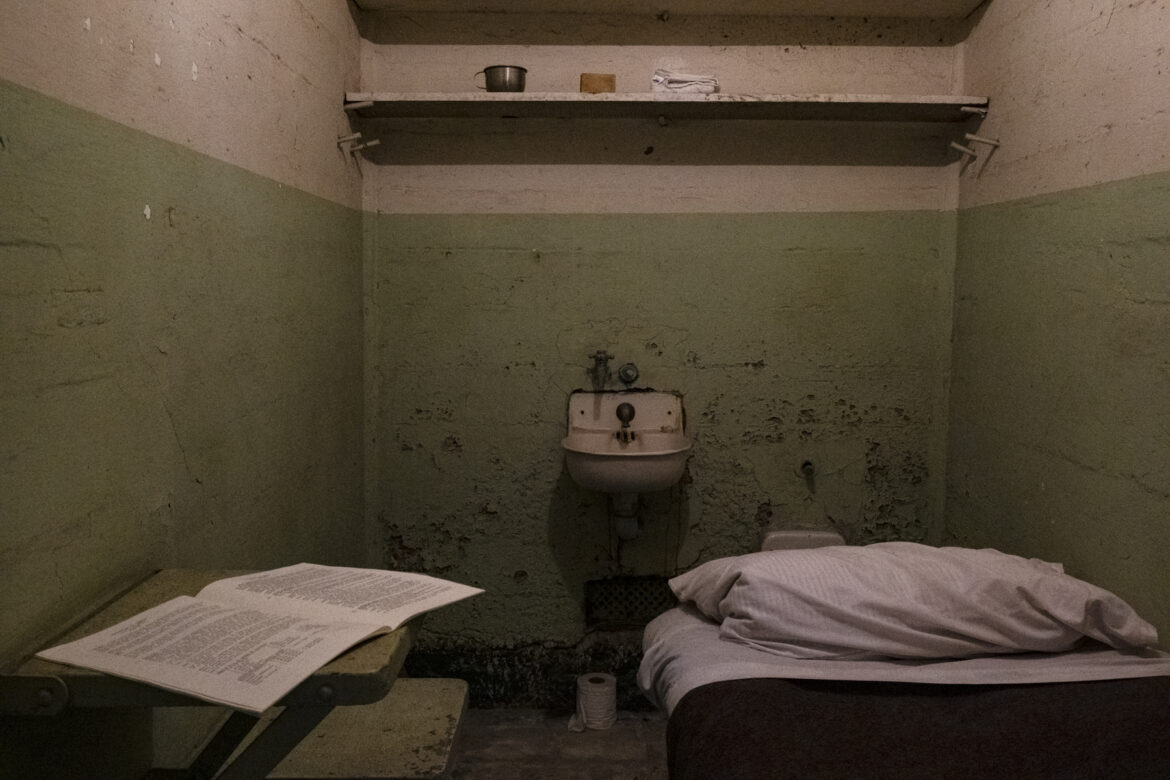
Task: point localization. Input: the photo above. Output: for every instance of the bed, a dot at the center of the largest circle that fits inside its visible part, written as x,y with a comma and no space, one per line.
887,662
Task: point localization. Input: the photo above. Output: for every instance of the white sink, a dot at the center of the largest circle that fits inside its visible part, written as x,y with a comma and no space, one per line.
648,454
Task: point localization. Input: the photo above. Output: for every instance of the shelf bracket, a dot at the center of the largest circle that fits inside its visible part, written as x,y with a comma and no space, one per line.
353,142
978,111
967,150
980,139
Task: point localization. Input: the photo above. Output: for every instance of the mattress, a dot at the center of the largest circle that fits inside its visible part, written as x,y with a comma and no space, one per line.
683,650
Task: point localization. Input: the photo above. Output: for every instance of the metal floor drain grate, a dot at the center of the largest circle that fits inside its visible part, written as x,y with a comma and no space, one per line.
618,603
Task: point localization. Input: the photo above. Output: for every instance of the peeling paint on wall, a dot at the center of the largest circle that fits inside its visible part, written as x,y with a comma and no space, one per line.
792,338
534,674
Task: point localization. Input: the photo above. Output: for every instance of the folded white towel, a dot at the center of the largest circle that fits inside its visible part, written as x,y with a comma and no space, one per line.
669,81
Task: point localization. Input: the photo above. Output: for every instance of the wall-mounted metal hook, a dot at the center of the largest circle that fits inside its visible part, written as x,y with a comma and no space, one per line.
980,139
964,149
352,143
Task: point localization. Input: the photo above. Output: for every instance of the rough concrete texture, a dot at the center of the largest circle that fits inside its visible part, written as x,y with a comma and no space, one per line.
792,338
590,26
503,744
254,84
1059,443
187,377
485,187
181,352
1080,94
534,673
791,69
1060,421
554,166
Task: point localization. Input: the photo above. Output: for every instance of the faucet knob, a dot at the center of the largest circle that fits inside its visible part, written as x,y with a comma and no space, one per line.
625,413
628,373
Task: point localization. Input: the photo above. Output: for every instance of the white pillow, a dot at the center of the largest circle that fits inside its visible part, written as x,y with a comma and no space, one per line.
905,600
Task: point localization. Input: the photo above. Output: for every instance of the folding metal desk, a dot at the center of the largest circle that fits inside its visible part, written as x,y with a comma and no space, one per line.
363,675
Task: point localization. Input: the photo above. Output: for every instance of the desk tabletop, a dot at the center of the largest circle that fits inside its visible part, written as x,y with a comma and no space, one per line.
361,675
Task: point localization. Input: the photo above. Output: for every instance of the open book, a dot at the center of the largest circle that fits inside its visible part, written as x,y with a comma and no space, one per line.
244,642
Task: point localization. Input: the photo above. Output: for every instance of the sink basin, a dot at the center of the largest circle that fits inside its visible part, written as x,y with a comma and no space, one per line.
654,461
649,455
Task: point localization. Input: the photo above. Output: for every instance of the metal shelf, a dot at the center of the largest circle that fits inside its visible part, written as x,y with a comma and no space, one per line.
718,106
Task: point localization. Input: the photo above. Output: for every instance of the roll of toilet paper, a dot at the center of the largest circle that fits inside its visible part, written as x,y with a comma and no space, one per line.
596,702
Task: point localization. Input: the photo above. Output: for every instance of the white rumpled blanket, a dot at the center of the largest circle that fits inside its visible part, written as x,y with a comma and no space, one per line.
683,650
670,81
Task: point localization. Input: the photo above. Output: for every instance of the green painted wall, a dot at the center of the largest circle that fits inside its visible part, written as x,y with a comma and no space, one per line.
792,337
1060,418
178,389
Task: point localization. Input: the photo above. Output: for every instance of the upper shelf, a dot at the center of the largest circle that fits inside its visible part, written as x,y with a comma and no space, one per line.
577,105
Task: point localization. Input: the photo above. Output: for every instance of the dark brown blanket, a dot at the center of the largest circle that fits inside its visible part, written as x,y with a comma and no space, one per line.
766,729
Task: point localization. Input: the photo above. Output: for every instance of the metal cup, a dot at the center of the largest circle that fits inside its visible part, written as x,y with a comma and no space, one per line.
501,78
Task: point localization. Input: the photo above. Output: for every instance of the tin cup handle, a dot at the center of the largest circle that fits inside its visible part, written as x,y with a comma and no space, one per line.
475,80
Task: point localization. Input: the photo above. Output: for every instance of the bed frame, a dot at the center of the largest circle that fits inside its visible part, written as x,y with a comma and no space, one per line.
772,728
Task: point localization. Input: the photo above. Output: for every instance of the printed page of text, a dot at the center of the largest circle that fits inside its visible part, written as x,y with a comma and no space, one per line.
383,598
241,657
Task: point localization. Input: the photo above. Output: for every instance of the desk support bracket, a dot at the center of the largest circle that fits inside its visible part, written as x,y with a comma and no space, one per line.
22,694
260,756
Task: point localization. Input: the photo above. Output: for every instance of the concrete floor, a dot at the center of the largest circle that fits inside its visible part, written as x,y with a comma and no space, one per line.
504,744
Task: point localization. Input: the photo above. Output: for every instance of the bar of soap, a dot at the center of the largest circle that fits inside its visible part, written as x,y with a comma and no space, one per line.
598,82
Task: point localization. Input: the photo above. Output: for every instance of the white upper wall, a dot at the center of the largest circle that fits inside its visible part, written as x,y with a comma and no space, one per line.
712,167
258,85
1080,94
924,70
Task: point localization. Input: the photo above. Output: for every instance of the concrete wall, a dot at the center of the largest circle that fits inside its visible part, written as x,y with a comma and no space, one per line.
565,166
792,280
181,344
1060,422
182,339
254,85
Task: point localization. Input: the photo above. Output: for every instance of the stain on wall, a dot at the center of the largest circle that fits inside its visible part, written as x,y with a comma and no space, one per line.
819,337
533,674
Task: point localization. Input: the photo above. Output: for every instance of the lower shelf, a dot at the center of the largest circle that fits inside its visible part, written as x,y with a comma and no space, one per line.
575,105
408,735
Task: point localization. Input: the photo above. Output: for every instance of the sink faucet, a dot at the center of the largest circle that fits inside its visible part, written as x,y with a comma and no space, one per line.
600,370
625,413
